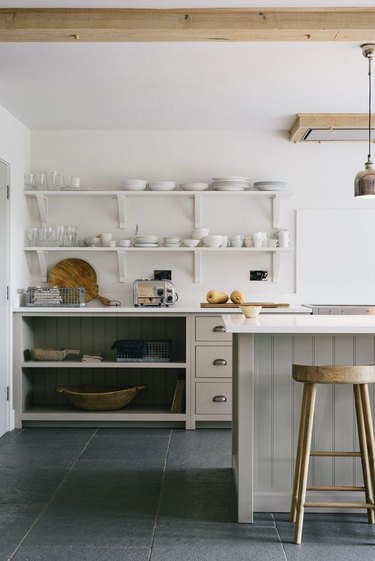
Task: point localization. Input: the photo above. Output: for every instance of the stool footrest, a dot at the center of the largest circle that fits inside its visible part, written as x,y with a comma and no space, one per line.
343,454
339,505
335,488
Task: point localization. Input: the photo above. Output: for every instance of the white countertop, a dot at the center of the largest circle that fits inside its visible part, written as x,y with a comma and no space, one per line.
293,323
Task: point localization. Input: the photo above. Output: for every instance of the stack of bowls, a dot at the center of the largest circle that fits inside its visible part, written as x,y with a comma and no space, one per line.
230,183
172,241
134,184
146,241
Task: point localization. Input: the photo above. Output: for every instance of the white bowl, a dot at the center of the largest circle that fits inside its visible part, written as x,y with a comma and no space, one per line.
92,242
212,241
194,186
134,184
162,186
170,239
146,239
124,243
199,233
250,311
190,242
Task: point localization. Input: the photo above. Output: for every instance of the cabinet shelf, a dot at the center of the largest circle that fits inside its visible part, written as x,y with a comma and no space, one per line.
121,252
105,364
121,196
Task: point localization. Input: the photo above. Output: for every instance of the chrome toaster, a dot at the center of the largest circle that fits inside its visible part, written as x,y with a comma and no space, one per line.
154,293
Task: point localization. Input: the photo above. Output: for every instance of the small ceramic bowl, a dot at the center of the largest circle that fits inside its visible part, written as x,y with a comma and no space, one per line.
92,242
190,243
250,311
213,241
124,243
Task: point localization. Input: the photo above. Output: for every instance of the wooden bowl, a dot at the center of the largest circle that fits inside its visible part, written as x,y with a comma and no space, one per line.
99,398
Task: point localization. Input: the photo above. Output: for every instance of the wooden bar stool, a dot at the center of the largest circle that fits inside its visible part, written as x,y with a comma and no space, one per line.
310,376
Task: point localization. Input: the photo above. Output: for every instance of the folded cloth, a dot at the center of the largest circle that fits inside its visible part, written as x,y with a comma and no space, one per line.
92,358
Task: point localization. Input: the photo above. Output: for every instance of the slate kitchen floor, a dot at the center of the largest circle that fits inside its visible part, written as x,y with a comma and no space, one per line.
113,494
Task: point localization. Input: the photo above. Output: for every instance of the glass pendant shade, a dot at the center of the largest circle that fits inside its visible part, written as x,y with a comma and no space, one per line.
364,183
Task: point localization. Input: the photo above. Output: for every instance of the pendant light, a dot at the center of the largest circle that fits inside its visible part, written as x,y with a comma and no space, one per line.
364,183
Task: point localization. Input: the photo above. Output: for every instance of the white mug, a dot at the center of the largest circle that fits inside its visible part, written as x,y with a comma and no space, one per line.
225,242
106,239
74,182
258,239
272,243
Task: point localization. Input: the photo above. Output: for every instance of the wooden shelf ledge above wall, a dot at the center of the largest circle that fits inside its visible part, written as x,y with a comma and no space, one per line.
186,24
327,127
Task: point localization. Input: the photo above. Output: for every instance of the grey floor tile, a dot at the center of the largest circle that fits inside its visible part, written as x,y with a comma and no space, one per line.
56,436
207,494
144,452
15,521
136,432
225,542
27,484
103,525
85,553
201,448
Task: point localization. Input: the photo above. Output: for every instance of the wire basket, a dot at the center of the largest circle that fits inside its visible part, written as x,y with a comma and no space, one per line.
55,297
138,350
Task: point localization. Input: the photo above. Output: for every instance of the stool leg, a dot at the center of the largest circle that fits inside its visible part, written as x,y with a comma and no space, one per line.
297,468
364,453
305,456
369,430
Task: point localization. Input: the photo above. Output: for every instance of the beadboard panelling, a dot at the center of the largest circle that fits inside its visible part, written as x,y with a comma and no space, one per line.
277,410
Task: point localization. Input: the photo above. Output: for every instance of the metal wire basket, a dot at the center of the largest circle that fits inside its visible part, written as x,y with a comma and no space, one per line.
55,297
139,350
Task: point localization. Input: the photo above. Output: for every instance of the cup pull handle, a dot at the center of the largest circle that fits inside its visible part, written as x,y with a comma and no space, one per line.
219,362
219,399
219,329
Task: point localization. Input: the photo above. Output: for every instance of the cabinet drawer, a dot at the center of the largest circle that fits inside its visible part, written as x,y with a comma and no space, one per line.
213,362
212,399
211,329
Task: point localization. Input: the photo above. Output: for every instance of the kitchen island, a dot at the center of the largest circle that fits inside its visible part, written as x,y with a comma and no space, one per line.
266,403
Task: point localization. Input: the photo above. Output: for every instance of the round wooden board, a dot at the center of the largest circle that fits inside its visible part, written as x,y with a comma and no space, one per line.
76,273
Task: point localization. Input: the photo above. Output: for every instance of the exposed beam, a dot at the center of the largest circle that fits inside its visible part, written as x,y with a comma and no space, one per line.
212,24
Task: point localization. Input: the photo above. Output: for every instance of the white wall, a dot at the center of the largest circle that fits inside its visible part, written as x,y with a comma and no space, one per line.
320,175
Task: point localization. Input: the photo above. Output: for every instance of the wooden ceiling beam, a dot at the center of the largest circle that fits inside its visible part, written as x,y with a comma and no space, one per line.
304,122
211,24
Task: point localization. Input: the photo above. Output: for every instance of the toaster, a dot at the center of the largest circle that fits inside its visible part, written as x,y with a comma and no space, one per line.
154,293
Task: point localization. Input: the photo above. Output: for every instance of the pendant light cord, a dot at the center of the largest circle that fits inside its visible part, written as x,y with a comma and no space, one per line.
369,107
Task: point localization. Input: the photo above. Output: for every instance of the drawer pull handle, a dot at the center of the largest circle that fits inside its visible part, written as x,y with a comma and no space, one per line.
219,399
219,362
219,329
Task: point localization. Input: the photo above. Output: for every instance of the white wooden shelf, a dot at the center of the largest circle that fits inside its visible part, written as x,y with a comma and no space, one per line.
121,252
104,364
197,196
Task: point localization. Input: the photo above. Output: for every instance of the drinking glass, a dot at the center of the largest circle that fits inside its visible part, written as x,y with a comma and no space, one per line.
55,180
30,182
31,236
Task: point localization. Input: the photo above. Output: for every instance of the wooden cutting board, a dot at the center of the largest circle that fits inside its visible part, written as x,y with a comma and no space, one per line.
231,305
76,273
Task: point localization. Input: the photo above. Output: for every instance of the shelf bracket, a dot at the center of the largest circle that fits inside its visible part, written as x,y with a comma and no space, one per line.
121,259
276,266
121,204
42,258
197,266
43,208
197,211
276,200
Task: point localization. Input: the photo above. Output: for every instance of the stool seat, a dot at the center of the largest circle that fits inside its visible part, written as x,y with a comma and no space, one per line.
359,377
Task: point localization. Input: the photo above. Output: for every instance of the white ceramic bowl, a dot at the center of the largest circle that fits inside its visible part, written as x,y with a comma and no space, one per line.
190,242
124,243
171,239
92,242
162,186
250,311
199,233
134,184
147,239
213,240
194,186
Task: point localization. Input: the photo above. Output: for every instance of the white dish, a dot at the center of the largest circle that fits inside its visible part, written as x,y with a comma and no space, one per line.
172,240
250,311
146,245
270,185
190,242
213,240
194,186
171,245
146,238
134,184
229,188
231,178
162,186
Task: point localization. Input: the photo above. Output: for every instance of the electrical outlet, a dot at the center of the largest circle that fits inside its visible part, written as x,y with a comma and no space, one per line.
258,275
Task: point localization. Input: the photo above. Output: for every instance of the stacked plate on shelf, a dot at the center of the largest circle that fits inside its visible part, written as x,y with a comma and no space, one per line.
230,183
172,241
146,241
270,185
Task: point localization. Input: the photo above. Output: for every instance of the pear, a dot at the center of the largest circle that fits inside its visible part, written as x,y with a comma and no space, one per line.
237,297
216,297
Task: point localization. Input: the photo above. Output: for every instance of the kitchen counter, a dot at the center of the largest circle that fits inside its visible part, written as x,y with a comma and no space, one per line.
266,402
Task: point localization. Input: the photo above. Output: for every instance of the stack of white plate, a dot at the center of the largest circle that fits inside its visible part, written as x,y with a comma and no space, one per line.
134,184
274,185
172,241
146,241
194,186
230,183
162,186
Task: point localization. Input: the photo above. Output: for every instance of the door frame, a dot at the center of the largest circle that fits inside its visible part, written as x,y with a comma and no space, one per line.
7,319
